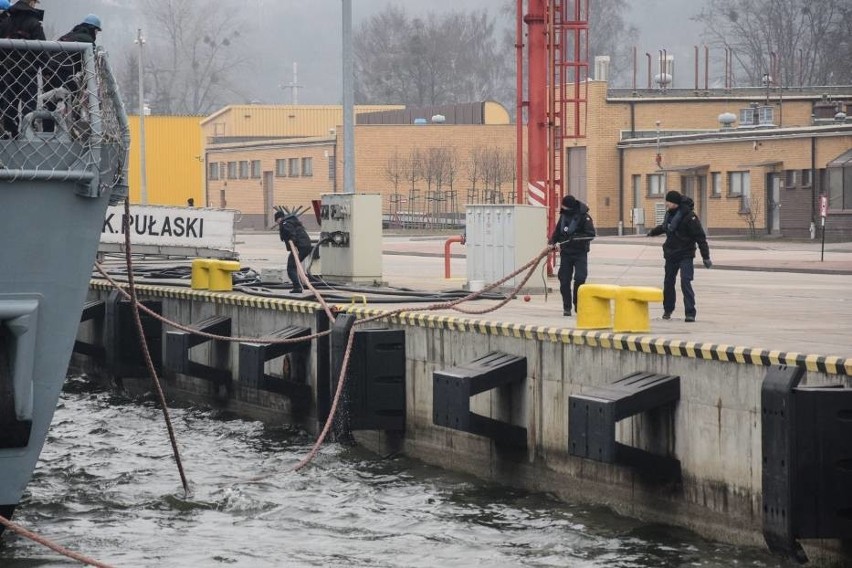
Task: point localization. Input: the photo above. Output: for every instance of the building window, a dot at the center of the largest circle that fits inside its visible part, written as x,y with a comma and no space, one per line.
244,169
807,178
281,168
791,179
839,188
213,170
255,169
656,184
232,170
223,170
716,184
294,167
307,167
332,169
739,185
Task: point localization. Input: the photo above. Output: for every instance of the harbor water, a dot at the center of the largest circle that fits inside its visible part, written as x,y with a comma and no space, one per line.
107,486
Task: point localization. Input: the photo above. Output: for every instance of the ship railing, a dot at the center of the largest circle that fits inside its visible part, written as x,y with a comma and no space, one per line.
62,117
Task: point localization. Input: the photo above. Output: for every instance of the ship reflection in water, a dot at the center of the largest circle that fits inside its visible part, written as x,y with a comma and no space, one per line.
107,486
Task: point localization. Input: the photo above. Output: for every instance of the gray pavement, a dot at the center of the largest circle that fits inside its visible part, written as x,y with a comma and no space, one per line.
770,294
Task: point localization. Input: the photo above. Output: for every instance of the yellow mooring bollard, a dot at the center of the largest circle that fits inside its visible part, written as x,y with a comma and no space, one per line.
631,308
200,279
220,275
594,307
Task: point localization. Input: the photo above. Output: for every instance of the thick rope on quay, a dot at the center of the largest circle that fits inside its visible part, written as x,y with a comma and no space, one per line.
303,276
530,267
19,530
147,352
265,340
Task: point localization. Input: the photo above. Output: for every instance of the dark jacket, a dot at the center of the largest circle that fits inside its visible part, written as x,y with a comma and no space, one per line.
291,229
24,22
684,233
82,33
574,224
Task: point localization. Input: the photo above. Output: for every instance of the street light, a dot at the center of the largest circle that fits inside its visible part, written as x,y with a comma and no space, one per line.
143,178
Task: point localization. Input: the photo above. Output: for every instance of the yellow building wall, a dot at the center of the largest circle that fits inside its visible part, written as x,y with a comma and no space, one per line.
280,120
174,160
495,113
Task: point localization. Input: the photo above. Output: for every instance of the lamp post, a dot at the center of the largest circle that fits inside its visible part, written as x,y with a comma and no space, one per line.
348,101
143,178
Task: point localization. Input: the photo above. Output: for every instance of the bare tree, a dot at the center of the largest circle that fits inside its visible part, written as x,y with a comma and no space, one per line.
793,34
192,51
610,33
475,167
751,214
395,170
438,59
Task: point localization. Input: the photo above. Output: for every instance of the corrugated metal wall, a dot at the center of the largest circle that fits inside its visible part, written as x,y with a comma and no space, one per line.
174,160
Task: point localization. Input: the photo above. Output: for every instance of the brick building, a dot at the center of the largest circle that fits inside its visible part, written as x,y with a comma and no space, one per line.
424,172
755,161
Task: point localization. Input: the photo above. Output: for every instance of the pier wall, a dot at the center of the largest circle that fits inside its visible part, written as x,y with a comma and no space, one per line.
714,430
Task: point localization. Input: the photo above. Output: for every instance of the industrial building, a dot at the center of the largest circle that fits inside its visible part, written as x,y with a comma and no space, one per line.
753,162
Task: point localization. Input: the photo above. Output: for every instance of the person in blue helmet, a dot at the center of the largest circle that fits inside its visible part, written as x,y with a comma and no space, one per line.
4,11
66,70
86,31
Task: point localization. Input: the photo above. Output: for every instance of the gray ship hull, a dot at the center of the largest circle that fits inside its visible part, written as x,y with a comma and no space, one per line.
61,163
50,237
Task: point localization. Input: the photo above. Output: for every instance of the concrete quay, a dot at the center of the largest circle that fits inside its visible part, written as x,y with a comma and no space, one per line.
755,313
766,294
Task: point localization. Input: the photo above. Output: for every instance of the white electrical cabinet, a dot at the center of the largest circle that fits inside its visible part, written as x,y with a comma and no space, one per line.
356,254
502,238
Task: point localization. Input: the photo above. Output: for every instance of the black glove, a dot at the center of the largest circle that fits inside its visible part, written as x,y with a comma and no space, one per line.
708,263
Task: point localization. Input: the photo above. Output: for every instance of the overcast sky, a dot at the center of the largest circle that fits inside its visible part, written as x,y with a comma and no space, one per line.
309,33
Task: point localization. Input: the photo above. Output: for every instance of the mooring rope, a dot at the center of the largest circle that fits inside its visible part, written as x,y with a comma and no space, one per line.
147,352
529,267
18,529
171,323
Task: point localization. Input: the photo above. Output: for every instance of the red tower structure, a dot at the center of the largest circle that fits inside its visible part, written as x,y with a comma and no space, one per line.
557,93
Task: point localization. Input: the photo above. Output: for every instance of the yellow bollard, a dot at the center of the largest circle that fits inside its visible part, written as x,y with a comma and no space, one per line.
594,308
631,308
200,278
220,275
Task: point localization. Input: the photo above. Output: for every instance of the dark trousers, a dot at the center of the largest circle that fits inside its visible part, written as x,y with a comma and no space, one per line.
292,272
576,267
687,272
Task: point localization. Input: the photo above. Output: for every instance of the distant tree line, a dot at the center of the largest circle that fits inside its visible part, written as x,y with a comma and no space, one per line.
463,56
192,51
809,41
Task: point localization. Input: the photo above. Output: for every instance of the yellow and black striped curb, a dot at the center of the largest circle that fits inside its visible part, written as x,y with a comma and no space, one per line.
224,298
599,339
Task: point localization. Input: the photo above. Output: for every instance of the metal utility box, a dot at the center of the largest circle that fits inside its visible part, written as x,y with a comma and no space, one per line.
357,256
501,239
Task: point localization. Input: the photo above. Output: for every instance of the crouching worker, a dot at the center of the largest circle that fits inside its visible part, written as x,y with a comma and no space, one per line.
291,229
573,235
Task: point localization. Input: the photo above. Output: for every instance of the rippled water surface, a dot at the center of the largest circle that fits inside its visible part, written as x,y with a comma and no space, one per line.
107,486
